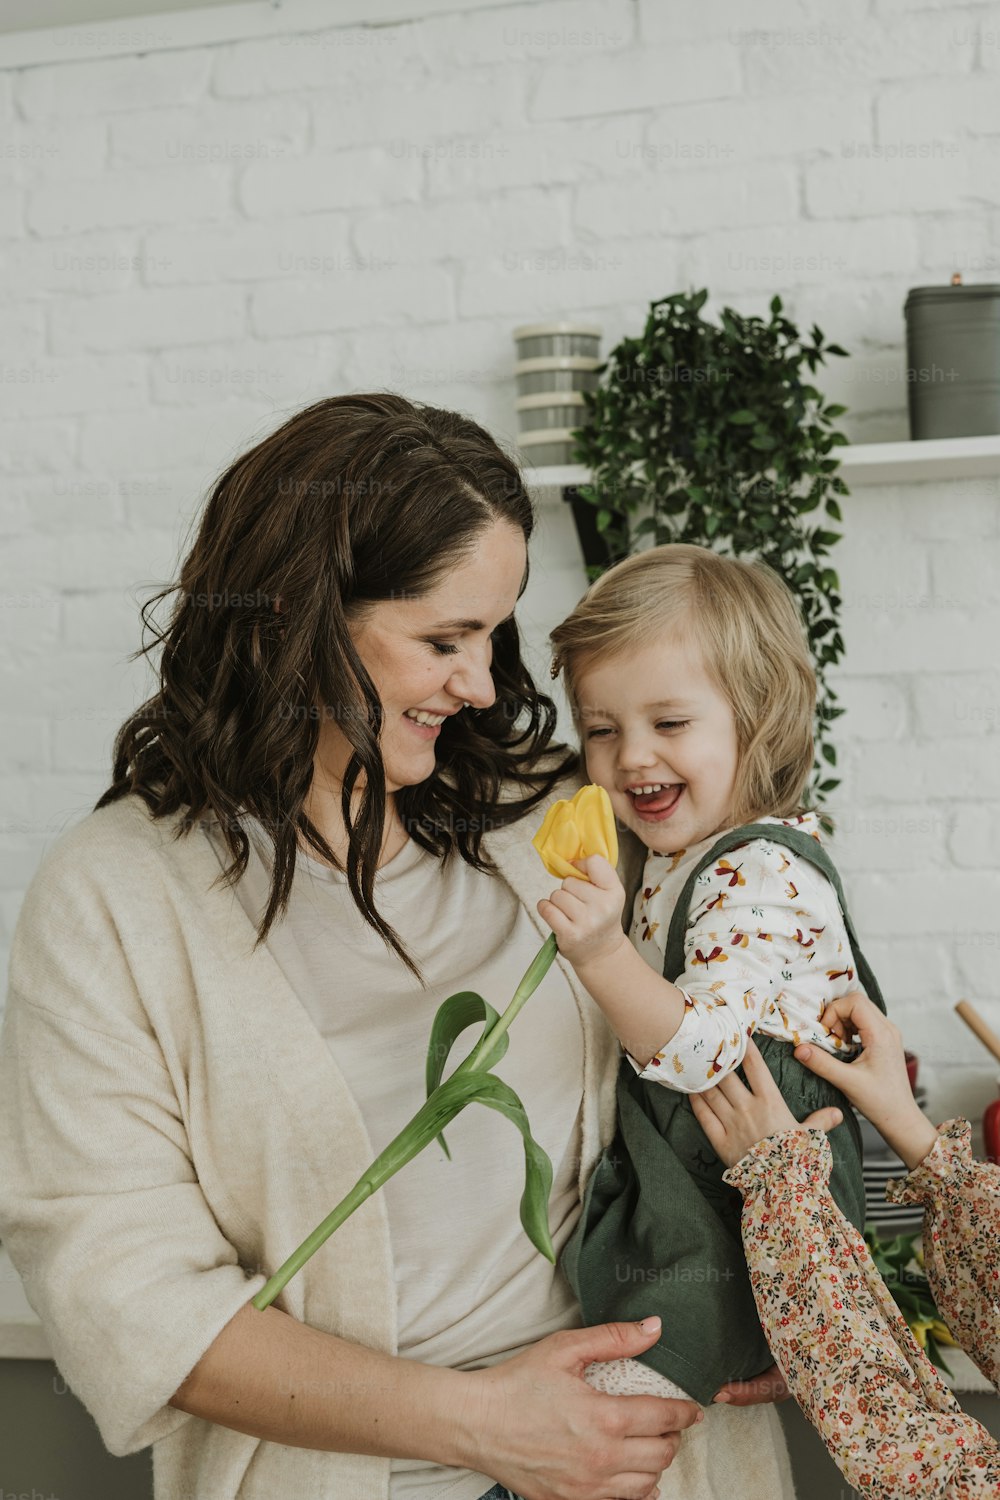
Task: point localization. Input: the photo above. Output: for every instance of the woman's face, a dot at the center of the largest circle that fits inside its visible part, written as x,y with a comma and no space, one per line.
429,656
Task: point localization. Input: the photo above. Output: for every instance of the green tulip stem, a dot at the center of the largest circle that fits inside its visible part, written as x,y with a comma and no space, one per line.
412,1139
442,1106
482,1056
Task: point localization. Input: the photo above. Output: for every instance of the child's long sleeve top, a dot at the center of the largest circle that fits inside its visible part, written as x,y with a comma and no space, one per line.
892,1426
765,947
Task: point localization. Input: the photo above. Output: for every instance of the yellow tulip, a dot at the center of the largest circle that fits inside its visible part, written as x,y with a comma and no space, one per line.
920,1328
577,828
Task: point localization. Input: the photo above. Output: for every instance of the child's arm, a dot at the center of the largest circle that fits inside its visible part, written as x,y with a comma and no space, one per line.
644,1009
840,1341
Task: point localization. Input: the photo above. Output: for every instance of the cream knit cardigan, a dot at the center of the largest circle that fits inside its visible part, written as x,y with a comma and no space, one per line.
173,1125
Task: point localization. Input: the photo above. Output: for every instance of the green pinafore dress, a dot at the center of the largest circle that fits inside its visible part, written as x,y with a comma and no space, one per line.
659,1232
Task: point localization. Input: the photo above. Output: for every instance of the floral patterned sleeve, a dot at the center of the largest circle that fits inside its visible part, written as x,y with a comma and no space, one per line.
961,1239
893,1428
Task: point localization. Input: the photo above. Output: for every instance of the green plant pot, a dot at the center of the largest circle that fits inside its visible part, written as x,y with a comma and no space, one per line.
953,360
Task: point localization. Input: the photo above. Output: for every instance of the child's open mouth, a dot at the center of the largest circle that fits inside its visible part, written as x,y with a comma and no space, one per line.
656,801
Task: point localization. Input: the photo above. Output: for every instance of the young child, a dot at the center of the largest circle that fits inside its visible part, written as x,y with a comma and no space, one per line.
690,682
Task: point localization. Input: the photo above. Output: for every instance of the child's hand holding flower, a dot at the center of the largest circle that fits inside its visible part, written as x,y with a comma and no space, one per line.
585,912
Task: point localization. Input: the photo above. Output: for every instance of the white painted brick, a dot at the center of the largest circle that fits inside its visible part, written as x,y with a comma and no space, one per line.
970,574
276,372
871,380
93,263
772,258
917,630
964,244
6,98
314,183
906,837
947,768
89,558
871,311
68,498
84,741
424,117
433,356
976,950
573,280
44,806
714,198
959,703
615,82
856,186
319,243
696,135
22,328
130,197
661,25
152,499
354,299
543,155
504,224
906,969
46,387
215,131
19,859
984,38
850,53
316,60
975,837
939,110
936,512
148,319
36,447
71,680
876,708
515,33
43,149
24,743
102,621
107,85
172,437
907,901
11,212
29,616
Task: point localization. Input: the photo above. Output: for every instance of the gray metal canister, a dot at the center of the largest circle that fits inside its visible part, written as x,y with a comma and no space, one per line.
953,360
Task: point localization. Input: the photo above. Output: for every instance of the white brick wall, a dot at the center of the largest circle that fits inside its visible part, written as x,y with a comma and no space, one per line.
195,241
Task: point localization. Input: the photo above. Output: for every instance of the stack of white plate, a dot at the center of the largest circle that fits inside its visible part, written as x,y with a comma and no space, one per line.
880,1164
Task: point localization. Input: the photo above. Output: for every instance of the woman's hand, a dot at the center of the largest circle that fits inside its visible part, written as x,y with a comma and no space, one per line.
876,1081
735,1117
586,914
538,1428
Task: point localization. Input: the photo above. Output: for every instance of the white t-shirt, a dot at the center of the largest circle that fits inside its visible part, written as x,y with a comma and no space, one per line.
471,1287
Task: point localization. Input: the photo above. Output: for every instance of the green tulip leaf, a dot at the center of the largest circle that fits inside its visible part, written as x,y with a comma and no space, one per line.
496,1094
454,1016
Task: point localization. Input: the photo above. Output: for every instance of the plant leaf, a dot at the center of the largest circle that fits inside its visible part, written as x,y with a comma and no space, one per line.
454,1016
496,1094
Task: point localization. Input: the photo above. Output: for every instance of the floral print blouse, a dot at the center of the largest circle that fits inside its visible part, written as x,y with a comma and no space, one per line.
892,1426
765,949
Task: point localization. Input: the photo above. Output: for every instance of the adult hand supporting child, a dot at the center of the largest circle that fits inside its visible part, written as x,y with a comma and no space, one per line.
876,1082
735,1117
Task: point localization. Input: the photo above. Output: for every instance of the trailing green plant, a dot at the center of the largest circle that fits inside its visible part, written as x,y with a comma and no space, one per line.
714,433
894,1260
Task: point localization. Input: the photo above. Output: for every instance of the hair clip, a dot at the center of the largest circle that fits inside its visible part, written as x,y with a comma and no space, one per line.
555,668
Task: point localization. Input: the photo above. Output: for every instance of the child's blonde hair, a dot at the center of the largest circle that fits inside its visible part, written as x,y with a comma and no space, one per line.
746,623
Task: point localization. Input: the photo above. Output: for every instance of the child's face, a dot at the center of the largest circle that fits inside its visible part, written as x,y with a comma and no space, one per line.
654,717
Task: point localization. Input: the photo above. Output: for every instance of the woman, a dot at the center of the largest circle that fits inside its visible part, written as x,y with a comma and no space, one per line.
222,985
888,1420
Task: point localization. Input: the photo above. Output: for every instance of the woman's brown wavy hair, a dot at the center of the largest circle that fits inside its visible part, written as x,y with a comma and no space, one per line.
356,499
